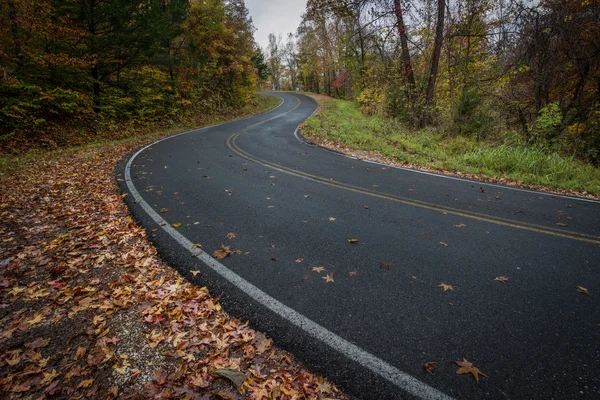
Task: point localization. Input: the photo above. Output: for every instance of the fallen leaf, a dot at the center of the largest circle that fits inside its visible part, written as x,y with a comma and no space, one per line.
446,287
164,210
502,279
176,225
14,357
299,260
328,278
113,393
366,207
49,377
237,378
196,246
460,225
230,235
196,272
561,224
331,219
35,320
222,252
199,381
318,269
444,244
80,352
429,366
353,273
85,384
353,241
583,290
467,367
386,264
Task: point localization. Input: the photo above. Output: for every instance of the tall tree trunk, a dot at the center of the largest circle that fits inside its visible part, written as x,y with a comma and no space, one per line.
437,50
410,76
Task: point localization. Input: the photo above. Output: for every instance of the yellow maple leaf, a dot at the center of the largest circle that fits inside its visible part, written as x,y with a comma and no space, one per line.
467,367
49,377
446,287
35,320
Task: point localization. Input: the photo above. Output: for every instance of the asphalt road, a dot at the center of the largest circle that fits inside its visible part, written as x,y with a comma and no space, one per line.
293,206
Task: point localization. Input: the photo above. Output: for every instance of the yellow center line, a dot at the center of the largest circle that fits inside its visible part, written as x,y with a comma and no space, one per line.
231,144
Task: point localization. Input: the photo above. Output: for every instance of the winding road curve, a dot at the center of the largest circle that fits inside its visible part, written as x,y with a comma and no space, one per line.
293,206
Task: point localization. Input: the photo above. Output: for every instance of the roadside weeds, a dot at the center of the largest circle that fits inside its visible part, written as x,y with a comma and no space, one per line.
320,131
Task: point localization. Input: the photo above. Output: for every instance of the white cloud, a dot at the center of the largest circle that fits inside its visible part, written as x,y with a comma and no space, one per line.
275,16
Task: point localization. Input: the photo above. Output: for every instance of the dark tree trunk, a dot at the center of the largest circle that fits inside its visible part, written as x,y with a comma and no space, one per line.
437,50
410,76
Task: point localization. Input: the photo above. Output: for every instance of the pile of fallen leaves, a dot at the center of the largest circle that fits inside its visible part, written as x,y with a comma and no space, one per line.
88,309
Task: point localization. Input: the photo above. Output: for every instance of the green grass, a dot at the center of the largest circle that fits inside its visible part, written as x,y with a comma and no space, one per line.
344,123
14,163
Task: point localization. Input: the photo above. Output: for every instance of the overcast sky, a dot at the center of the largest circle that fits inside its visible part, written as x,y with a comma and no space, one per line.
275,16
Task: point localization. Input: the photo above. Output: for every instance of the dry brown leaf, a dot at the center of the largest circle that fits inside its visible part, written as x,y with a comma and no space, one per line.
328,278
318,269
429,366
583,290
164,210
236,377
444,244
502,279
446,287
299,260
386,264
353,241
467,367
222,252
230,235
14,357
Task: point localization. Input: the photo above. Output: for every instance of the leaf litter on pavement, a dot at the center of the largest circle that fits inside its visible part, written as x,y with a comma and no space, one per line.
89,310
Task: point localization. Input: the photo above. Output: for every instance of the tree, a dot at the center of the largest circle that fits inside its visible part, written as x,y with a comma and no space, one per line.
258,59
274,61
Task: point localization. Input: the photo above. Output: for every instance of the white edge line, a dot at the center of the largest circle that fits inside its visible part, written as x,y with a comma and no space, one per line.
353,352
441,175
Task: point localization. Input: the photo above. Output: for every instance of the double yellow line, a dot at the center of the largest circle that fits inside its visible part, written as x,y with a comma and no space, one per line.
231,144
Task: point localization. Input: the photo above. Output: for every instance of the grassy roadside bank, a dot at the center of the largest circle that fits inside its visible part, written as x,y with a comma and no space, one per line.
130,132
89,310
341,125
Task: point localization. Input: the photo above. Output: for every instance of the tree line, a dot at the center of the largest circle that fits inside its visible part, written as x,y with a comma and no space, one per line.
478,68
76,60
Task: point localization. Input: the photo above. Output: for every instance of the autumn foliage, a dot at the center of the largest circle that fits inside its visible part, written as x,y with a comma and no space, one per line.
479,69
71,71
